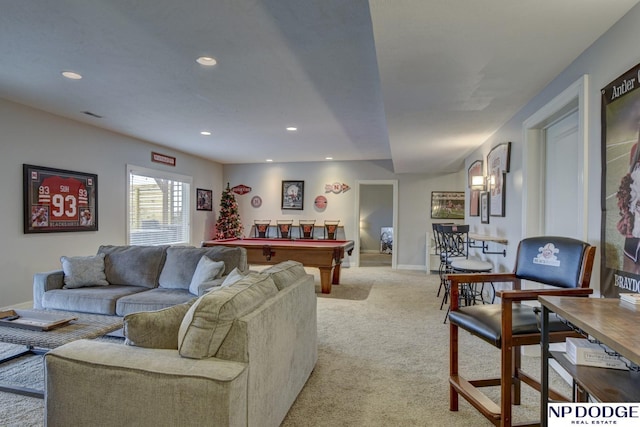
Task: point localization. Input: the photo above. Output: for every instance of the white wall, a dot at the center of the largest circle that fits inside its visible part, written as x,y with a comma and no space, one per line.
414,194
34,137
610,56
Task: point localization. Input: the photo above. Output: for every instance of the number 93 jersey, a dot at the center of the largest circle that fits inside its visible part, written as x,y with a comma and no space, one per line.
65,196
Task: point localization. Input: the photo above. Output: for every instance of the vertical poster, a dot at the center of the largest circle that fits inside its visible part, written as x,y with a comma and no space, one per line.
620,265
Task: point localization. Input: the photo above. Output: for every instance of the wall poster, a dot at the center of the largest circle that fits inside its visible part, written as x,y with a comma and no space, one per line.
59,200
620,258
498,164
447,204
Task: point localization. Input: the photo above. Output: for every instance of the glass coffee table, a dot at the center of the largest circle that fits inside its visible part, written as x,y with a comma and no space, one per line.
84,326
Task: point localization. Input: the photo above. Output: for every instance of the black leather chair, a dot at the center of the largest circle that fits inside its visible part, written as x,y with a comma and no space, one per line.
564,265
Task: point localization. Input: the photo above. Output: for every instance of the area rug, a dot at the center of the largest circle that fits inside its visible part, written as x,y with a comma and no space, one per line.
382,360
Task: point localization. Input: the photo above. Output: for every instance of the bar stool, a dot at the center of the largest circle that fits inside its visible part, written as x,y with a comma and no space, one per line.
284,228
331,229
439,250
262,228
306,228
455,241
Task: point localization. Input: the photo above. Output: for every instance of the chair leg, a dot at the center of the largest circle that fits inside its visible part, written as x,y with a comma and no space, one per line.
517,384
506,376
453,365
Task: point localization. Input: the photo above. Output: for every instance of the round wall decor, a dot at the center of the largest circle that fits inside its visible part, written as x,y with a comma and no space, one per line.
320,202
256,201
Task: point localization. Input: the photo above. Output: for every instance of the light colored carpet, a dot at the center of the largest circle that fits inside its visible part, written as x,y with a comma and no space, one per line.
382,360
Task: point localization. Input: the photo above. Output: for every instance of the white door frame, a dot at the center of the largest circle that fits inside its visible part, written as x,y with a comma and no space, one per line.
572,98
356,225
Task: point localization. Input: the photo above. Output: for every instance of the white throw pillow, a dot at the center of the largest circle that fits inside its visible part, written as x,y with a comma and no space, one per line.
80,271
232,277
206,270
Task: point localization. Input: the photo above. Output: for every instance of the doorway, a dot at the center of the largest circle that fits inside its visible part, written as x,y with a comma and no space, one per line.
376,213
561,166
571,105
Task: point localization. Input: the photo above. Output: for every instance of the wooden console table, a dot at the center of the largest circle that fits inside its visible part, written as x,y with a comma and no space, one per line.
608,321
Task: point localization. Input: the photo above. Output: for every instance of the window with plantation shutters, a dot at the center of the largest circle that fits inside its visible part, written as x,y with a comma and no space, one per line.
158,207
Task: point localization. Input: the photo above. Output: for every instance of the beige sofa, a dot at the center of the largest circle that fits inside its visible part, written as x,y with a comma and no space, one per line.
267,332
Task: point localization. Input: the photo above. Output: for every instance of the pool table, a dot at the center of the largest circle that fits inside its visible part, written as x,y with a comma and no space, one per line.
327,255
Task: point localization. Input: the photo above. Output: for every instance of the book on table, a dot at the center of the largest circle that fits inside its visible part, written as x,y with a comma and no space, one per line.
34,319
581,351
630,298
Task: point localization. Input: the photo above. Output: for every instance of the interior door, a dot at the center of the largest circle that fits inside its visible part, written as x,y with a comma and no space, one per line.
562,180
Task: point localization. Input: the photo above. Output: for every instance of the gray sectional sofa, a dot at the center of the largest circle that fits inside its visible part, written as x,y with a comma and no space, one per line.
134,278
237,356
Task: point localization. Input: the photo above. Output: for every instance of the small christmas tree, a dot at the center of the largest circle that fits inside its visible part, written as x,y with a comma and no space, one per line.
228,224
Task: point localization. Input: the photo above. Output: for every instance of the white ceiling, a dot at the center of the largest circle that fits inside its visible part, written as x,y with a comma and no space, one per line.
423,82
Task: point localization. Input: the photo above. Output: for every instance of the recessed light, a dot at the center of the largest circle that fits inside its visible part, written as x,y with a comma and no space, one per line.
269,160
292,129
328,158
205,133
71,75
206,61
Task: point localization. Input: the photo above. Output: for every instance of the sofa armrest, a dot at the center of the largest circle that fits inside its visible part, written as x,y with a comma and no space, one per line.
43,282
87,380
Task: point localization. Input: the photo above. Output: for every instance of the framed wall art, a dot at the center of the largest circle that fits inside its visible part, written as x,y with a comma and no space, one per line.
498,163
484,207
292,195
476,169
204,200
447,204
58,200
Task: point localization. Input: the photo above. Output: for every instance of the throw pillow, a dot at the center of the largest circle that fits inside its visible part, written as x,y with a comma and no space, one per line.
208,321
232,277
286,273
155,329
80,271
206,270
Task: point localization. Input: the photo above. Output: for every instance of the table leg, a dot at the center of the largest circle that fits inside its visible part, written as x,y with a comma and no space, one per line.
336,274
24,391
544,377
325,279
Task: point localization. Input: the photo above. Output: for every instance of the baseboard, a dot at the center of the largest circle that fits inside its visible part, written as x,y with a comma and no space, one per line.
411,267
21,305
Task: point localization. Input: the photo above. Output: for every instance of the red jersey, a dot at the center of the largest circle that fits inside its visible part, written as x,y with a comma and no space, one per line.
65,196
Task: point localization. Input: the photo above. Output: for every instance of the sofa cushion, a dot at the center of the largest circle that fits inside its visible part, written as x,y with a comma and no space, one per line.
133,265
182,261
285,273
209,319
80,271
155,329
152,299
98,300
206,270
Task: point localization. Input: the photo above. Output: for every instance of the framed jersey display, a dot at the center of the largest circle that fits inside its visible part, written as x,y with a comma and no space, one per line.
58,200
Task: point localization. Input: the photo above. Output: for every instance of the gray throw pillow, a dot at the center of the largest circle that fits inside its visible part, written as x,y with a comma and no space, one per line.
155,329
208,321
81,271
206,270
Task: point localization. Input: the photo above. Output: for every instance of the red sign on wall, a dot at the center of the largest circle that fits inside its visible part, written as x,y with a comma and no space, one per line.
241,189
163,158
